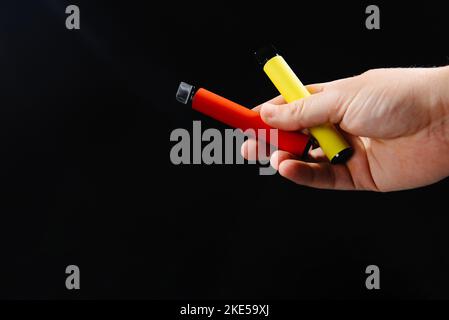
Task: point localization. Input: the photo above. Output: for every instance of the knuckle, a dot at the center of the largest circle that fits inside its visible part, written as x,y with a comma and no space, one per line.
338,109
369,72
372,72
298,109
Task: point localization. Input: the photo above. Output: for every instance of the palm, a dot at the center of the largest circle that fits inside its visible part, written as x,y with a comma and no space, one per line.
398,163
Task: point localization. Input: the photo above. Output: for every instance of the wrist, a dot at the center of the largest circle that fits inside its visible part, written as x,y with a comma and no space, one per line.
445,87
439,101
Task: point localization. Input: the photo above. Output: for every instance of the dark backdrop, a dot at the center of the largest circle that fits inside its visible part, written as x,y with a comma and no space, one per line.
86,178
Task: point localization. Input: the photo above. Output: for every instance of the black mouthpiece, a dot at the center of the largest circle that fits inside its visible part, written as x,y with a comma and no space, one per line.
264,54
185,92
342,156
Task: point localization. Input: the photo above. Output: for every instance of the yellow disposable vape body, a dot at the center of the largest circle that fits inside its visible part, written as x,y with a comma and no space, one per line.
330,140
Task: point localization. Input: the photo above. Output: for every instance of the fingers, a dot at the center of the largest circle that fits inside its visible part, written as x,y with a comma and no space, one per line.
319,108
355,174
279,100
317,175
250,148
320,175
279,156
312,88
254,150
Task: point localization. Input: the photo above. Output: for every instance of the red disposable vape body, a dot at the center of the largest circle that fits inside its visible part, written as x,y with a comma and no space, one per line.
237,116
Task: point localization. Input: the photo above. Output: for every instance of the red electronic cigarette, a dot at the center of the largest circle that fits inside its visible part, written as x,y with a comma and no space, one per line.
237,116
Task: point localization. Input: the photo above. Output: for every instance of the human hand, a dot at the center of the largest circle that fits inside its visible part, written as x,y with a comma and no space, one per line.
397,121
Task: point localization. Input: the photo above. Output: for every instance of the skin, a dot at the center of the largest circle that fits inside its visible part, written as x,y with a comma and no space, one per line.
397,121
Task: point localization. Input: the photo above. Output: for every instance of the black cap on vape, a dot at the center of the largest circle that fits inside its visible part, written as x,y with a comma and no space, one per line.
185,92
264,54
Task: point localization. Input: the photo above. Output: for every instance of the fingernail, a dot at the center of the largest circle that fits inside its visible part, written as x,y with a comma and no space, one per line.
274,161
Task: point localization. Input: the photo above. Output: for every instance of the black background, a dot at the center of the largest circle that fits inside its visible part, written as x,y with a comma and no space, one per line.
86,178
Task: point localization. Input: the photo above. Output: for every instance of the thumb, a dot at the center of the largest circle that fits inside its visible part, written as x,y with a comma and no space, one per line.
314,110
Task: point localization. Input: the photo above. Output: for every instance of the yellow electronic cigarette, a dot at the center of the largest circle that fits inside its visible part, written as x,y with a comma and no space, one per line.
330,140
